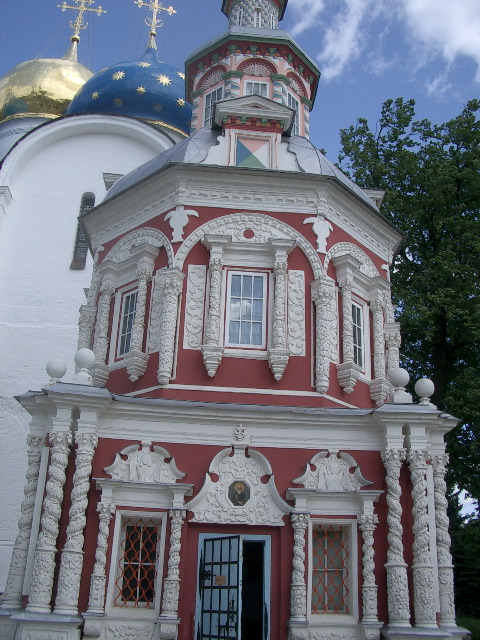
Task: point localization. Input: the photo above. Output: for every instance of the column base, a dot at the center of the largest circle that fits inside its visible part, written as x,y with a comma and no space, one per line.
456,631
7,625
414,633
47,626
168,627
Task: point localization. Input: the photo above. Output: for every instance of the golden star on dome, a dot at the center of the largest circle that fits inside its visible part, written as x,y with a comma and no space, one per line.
144,64
140,89
157,106
118,102
95,95
181,75
181,102
118,75
163,79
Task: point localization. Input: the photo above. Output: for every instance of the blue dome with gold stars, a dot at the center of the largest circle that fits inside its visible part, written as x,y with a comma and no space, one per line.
145,88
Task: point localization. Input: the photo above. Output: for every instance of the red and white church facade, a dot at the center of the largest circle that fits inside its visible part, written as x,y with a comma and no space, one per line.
240,465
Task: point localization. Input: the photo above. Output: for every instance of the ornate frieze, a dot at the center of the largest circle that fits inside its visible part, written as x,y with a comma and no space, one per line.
332,473
397,584
239,496
142,463
423,584
96,602
71,563
12,596
323,294
169,282
44,562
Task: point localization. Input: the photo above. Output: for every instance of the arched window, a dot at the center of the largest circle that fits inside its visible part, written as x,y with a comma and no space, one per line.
80,250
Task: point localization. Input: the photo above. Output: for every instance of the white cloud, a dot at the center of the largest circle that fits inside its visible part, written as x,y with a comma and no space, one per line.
308,12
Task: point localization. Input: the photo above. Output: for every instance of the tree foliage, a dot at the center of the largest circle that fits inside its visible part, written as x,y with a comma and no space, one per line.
431,175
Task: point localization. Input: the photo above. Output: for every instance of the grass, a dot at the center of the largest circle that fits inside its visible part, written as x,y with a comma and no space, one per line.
472,624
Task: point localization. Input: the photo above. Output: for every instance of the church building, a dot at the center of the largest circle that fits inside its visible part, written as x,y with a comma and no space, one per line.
236,455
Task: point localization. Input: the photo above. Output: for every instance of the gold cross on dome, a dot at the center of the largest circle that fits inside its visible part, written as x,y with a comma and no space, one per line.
155,7
82,6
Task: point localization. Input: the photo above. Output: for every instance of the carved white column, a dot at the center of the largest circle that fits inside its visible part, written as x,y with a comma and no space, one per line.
136,359
72,555
44,562
393,341
323,295
169,619
100,343
278,354
12,596
298,593
423,590
96,602
444,558
368,524
170,283
397,583
211,350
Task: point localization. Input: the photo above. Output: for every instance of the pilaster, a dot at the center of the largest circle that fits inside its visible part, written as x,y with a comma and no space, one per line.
170,282
323,295
100,343
136,359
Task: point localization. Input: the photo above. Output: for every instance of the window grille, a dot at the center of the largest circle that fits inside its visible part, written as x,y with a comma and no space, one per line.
246,309
295,105
257,88
138,564
357,335
329,569
80,250
210,100
127,319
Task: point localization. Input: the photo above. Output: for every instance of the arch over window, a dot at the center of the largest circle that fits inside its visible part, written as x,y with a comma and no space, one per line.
296,84
80,250
212,77
255,67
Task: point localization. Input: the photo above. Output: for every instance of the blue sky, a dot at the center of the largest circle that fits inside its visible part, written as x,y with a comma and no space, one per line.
368,50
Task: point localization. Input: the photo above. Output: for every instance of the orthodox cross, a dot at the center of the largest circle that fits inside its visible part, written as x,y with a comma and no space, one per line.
82,6
155,7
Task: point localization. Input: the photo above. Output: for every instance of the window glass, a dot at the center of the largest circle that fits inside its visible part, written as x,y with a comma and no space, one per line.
137,564
257,88
257,17
246,309
295,105
357,318
126,322
210,100
329,569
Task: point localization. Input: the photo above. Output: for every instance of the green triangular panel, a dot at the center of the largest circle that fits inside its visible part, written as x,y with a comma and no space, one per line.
251,161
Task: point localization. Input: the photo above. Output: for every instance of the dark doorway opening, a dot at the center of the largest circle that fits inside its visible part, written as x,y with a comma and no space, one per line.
253,621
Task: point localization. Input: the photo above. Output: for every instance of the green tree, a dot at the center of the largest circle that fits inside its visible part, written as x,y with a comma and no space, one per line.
431,175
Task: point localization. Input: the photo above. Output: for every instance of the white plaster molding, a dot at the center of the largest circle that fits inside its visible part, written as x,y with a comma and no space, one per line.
144,464
259,503
322,228
194,306
178,218
123,249
393,340
366,266
169,283
332,473
278,354
100,342
323,295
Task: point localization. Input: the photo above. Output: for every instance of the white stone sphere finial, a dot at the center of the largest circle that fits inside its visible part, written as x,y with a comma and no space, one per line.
399,378
56,369
85,361
424,388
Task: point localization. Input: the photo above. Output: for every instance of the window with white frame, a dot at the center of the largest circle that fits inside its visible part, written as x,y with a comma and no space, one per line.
330,572
294,104
136,585
257,17
256,88
210,99
245,324
357,322
127,318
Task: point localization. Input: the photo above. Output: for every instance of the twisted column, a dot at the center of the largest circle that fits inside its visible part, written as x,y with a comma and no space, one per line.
323,295
444,558
212,351
171,588
100,343
72,555
12,596
423,593
368,524
44,562
170,283
136,359
96,602
278,354
298,598
397,584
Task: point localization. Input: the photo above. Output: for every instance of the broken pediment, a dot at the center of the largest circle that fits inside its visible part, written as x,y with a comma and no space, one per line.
144,463
333,471
253,106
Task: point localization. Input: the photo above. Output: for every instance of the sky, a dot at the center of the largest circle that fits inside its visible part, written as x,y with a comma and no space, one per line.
367,50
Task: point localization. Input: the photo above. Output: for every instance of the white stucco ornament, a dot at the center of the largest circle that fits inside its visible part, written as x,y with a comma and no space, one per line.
56,369
425,389
144,463
85,361
331,471
178,221
322,228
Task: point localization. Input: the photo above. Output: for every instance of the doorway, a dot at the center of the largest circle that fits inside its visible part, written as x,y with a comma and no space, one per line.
233,594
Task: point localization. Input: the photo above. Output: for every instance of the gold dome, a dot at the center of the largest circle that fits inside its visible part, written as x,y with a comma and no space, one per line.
43,87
